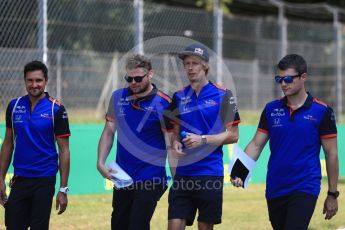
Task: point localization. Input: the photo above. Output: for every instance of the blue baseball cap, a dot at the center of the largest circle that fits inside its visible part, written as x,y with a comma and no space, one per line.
195,49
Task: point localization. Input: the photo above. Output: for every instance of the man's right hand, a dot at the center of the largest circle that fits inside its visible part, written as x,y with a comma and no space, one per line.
105,171
177,149
237,182
3,196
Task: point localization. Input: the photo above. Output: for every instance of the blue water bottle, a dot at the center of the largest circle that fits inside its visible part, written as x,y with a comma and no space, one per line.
183,135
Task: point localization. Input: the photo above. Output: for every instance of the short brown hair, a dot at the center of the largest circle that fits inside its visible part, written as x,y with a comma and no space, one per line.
138,61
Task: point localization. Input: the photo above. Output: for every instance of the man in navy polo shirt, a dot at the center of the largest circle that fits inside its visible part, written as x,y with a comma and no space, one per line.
297,125
34,123
206,115
136,114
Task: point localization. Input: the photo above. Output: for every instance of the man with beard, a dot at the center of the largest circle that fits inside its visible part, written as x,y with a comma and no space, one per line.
296,125
34,123
135,113
206,116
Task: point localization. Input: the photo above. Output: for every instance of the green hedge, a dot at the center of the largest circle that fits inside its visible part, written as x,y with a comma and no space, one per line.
85,179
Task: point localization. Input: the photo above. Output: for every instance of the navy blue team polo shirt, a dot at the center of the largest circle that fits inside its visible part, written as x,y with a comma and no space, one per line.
35,131
211,112
141,150
295,142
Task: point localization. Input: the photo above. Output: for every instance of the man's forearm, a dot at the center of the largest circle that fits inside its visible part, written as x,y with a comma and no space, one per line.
5,157
332,167
64,168
227,137
64,160
104,146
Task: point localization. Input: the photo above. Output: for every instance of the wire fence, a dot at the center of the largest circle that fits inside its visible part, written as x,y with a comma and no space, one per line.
86,40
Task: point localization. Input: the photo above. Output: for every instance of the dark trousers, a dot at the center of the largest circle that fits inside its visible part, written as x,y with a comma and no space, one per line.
291,212
133,207
29,203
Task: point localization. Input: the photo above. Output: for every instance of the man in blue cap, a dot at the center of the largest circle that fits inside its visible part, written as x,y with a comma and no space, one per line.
207,114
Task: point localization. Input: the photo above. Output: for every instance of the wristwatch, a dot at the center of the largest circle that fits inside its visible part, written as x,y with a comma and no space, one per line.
64,190
334,194
203,139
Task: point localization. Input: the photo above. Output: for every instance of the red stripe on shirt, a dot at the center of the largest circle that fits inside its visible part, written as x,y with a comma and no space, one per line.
168,130
233,123
328,136
64,135
163,95
109,119
319,102
219,86
263,130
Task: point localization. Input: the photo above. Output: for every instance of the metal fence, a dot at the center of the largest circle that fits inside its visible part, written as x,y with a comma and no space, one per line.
83,42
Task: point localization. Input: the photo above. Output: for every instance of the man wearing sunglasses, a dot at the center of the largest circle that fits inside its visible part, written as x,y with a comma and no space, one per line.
296,125
204,117
135,113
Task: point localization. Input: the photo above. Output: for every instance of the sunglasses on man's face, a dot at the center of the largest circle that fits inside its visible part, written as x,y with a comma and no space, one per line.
287,79
135,78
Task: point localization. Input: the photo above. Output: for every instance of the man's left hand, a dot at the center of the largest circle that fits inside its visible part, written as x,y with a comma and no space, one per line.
61,202
330,207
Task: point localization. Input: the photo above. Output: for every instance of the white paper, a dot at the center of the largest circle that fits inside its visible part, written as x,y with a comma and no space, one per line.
249,163
119,177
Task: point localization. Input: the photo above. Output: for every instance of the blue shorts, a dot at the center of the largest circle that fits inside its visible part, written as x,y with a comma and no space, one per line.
191,193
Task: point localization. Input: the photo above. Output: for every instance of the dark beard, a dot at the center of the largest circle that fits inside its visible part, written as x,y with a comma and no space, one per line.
143,89
37,96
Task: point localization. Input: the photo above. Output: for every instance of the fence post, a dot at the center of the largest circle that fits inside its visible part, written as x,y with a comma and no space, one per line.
282,36
255,87
111,81
139,25
338,53
58,74
42,19
218,38
166,73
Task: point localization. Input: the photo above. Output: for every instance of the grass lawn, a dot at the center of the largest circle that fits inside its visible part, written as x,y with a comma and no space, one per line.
242,209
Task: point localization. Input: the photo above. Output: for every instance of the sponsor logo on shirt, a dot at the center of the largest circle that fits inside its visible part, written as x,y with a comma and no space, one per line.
210,102
20,109
310,117
17,119
149,108
232,100
277,123
122,112
235,110
45,115
185,109
185,100
278,113
64,115
123,101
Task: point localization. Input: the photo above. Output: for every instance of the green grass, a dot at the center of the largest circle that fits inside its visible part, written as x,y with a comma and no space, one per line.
242,209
